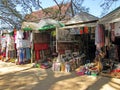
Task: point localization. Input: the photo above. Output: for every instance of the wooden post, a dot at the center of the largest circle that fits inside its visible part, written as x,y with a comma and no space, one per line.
32,46
56,39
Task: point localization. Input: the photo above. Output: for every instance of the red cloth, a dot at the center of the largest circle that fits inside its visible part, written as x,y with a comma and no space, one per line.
40,46
81,30
37,55
4,54
85,29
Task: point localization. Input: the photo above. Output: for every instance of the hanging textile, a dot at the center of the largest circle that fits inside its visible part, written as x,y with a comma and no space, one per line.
81,30
112,27
21,52
117,29
85,29
27,53
38,47
37,55
3,46
102,36
26,35
19,34
12,54
99,36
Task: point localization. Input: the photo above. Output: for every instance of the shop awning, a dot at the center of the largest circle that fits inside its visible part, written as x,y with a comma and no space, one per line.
113,16
28,26
46,24
79,25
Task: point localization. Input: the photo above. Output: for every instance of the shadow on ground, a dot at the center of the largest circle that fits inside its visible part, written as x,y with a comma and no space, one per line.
46,79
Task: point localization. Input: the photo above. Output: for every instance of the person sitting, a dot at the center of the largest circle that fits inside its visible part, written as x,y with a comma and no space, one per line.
97,64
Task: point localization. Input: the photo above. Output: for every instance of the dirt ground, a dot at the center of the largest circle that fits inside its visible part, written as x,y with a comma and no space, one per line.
24,77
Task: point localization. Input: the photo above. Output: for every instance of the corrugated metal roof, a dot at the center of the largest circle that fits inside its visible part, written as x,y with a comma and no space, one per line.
82,17
113,16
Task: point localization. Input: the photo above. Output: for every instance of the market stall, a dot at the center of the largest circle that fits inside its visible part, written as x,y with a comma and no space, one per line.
111,23
43,37
8,50
73,42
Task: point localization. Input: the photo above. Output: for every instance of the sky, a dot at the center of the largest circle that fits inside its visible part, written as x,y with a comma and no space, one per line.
94,6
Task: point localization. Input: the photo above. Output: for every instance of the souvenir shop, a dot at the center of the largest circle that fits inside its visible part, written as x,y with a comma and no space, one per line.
75,42
42,43
106,61
15,46
108,39
73,45
7,46
25,46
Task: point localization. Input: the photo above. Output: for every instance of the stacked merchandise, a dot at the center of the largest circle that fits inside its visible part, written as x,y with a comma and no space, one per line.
91,68
116,71
87,69
67,62
111,69
44,64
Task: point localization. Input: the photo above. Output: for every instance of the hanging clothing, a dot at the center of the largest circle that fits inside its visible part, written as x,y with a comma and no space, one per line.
18,39
21,55
10,43
27,53
81,30
31,37
19,43
37,55
85,29
12,54
26,35
99,36
40,46
117,29
112,28
26,43
3,41
19,34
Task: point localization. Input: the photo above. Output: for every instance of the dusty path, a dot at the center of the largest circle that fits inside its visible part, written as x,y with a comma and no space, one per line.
27,78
